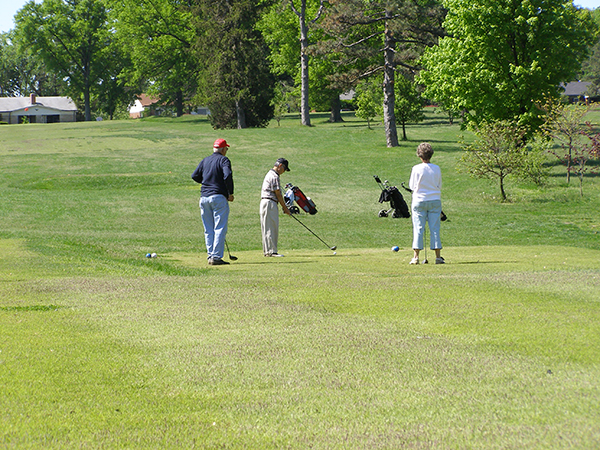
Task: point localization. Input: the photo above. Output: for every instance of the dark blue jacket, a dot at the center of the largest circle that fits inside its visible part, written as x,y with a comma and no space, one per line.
215,174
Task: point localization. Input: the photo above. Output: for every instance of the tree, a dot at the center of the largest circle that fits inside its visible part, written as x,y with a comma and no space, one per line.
591,67
70,37
304,43
499,152
375,38
368,100
158,37
502,56
409,104
590,150
283,100
21,74
280,29
565,124
235,80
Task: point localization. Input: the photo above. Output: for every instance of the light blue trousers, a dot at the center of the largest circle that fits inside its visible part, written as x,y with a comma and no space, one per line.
427,212
215,214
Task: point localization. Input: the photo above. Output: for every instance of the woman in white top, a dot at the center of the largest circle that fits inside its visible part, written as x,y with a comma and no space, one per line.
426,185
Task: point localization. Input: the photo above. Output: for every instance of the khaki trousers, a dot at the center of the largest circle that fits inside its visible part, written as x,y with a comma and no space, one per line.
269,225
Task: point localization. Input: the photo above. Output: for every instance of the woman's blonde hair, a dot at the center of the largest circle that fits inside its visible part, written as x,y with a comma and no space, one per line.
425,151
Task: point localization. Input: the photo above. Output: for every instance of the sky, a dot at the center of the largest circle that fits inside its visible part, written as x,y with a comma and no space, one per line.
8,9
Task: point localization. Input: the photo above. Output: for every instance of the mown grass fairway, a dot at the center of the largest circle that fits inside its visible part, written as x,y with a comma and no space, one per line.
103,348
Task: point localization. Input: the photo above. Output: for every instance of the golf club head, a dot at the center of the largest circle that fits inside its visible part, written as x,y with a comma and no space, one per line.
233,258
425,261
334,247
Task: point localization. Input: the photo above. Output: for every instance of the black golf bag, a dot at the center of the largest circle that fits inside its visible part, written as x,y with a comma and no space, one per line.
294,194
392,194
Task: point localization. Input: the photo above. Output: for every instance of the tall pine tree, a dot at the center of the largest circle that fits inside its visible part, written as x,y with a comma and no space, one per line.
235,80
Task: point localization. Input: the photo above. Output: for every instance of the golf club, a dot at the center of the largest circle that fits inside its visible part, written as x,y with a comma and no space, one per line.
298,220
233,258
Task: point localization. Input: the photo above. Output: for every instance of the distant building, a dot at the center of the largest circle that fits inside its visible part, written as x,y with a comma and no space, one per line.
144,106
34,109
577,91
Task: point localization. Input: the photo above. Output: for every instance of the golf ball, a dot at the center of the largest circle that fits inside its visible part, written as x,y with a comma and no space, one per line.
395,248
148,255
335,253
153,255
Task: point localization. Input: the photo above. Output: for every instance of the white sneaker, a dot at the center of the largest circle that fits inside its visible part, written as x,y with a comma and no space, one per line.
440,260
414,261
277,254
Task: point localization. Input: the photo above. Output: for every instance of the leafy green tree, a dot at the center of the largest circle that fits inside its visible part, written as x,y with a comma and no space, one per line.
235,80
280,29
158,36
591,67
369,99
112,92
22,74
409,104
502,56
499,152
375,38
283,101
70,37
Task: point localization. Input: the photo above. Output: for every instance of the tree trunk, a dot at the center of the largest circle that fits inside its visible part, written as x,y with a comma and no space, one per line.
179,103
86,95
502,188
241,115
336,109
389,96
304,108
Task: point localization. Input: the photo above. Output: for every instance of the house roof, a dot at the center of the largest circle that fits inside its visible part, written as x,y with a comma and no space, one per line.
147,100
575,88
8,104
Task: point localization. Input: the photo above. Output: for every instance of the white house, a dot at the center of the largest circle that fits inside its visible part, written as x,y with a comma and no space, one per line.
143,106
34,109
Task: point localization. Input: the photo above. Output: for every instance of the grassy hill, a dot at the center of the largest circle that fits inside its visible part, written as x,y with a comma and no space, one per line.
104,348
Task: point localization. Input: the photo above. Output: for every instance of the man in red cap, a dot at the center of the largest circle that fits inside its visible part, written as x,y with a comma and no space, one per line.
215,174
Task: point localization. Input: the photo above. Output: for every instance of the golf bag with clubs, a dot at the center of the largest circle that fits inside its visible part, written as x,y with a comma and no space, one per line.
392,194
294,194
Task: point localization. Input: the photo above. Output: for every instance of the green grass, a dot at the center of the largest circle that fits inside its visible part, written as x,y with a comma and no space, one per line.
104,348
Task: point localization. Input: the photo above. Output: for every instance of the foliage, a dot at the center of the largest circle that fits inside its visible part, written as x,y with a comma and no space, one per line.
72,39
502,56
158,37
279,26
235,80
369,99
565,125
409,104
588,151
304,20
22,74
375,38
283,101
499,151
591,67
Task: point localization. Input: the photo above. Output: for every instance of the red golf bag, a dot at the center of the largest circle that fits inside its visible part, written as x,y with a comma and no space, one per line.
294,194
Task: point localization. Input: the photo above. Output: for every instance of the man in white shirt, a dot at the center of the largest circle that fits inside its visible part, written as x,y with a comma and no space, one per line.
270,196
